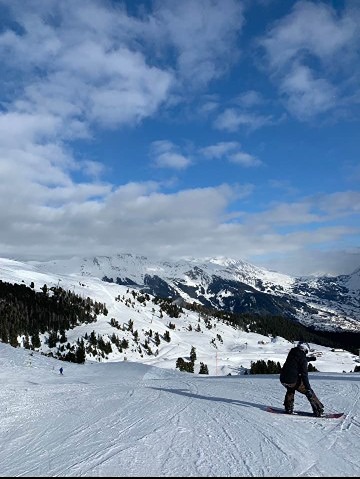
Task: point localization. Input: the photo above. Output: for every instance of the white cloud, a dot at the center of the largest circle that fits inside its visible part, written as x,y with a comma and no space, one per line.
244,159
165,155
172,160
20,129
83,70
93,169
232,119
314,261
220,149
208,107
211,26
231,151
309,50
46,221
313,28
307,96
340,203
249,99
316,209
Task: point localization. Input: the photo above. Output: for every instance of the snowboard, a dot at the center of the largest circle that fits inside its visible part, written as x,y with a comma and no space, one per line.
329,415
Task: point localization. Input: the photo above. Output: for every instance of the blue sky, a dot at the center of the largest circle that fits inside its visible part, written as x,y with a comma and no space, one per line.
177,129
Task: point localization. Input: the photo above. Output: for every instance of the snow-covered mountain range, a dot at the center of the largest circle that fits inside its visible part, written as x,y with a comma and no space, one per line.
155,336
325,303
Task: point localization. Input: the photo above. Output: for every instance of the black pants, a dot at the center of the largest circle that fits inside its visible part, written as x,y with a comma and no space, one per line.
299,386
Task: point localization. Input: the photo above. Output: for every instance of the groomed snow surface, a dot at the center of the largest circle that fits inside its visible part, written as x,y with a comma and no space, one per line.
131,419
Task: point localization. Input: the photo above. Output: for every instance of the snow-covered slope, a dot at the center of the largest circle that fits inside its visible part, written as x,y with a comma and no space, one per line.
128,419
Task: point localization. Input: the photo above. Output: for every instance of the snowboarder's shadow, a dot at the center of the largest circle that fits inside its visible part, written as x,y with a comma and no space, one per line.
185,392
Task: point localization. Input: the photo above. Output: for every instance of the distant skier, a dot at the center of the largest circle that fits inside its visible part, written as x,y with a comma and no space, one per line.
294,377
61,370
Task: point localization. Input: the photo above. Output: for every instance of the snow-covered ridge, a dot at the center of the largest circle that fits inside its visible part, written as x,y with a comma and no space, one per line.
136,267
331,303
328,303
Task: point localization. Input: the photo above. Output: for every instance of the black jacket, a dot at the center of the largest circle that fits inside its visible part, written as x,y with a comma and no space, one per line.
295,365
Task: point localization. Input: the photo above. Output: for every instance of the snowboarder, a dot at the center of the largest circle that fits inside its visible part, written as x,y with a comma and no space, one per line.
294,377
61,370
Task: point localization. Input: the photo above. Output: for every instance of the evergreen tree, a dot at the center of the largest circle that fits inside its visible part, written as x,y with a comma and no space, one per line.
26,342
35,340
80,353
203,369
166,336
183,365
63,337
13,340
53,339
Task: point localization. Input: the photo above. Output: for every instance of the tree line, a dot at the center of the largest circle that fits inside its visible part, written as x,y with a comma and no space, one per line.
287,328
27,313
